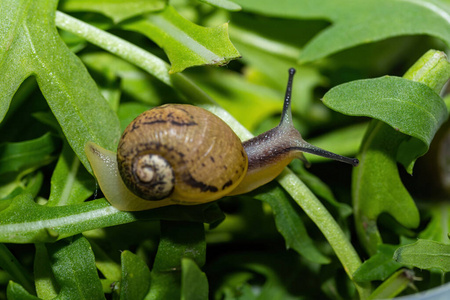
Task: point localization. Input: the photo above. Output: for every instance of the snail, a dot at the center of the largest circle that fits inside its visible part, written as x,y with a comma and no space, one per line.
183,154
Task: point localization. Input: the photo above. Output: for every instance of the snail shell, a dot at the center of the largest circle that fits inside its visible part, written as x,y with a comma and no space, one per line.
183,152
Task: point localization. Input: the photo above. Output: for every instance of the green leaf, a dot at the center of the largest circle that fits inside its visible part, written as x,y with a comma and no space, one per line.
425,254
69,90
105,264
274,36
377,187
274,68
242,96
108,267
359,22
332,141
16,292
10,264
225,4
46,286
258,275
269,47
20,156
129,111
24,221
194,284
380,266
13,186
70,183
140,85
319,188
410,107
185,43
118,10
178,240
135,281
439,225
73,265
291,226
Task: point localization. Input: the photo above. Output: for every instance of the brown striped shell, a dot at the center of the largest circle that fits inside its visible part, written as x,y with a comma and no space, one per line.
181,152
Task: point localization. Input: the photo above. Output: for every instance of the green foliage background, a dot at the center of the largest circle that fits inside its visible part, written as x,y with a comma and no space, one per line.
367,85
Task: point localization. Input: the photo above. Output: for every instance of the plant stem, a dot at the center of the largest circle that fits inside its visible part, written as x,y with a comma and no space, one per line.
126,50
432,69
290,182
150,63
327,225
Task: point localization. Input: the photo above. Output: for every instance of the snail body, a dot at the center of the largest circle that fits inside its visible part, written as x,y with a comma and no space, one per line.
182,154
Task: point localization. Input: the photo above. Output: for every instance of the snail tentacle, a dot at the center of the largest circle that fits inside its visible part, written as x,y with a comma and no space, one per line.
270,152
182,154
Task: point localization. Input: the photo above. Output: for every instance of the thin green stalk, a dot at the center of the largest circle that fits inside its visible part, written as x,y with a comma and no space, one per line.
327,225
291,183
150,63
111,43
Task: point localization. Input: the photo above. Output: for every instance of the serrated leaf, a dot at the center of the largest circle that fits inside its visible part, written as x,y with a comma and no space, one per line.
291,226
194,284
69,90
409,107
380,266
359,22
377,187
24,221
185,43
118,10
73,265
135,281
425,254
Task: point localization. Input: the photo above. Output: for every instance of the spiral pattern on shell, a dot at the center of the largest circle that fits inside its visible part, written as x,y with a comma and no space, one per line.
181,152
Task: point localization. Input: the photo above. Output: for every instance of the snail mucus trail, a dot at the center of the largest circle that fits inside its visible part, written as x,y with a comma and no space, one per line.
183,154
